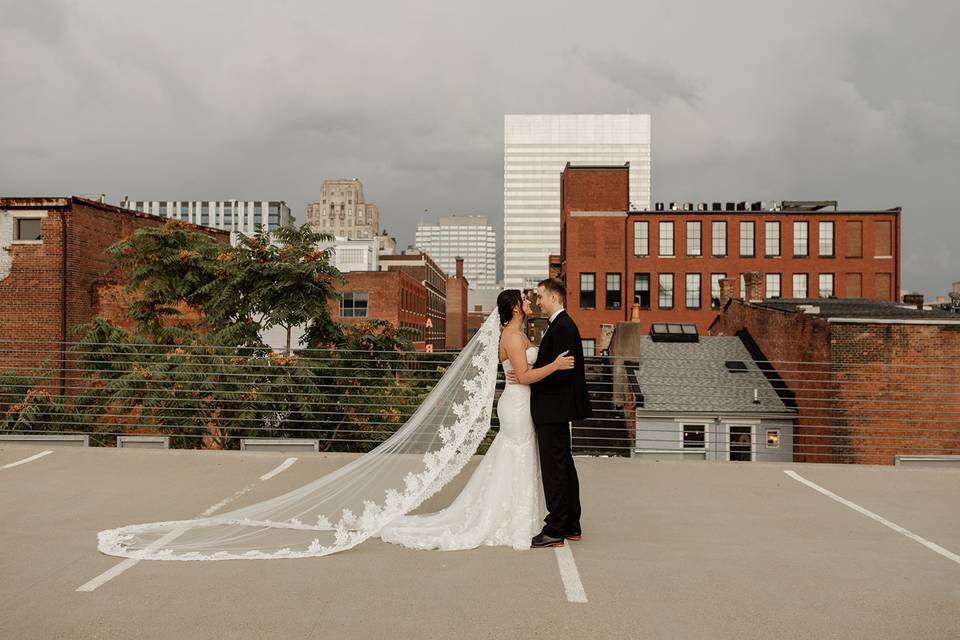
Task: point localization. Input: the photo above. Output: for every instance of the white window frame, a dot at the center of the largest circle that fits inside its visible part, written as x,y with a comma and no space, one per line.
806,285
805,245
681,423
753,436
766,436
718,290
771,250
16,215
766,285
821,236
833,285
673,290
665,226
641,239
593,347
744,237
694,238
686,290
714,236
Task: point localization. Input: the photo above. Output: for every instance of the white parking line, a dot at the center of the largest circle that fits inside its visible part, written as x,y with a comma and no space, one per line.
26,460
946,553
116,570
569,574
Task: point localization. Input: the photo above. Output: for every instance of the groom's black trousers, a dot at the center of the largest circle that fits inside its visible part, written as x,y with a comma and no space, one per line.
561,487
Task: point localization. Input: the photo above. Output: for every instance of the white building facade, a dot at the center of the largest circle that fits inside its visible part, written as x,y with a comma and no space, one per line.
465,236
354,255
535,150
238,216
343,211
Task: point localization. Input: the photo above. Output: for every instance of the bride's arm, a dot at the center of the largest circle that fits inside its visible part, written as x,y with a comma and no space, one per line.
517,354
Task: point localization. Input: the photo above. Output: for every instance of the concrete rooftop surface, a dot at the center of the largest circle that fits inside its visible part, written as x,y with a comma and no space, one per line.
670,550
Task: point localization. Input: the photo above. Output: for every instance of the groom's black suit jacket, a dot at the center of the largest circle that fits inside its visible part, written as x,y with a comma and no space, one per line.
562,396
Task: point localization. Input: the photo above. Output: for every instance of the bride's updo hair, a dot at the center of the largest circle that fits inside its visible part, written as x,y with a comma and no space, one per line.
507,301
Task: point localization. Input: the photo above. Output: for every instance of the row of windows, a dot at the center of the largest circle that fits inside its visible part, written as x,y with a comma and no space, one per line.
773,288
826,238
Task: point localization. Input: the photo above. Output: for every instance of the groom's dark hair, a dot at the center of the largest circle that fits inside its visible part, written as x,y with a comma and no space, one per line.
554,285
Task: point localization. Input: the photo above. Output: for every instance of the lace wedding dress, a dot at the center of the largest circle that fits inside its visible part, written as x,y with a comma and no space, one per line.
363,497
502,503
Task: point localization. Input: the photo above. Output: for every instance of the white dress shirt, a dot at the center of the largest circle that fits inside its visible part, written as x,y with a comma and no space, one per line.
554,315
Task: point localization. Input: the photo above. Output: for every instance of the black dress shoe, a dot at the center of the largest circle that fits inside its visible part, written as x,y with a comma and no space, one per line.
545,540
576,537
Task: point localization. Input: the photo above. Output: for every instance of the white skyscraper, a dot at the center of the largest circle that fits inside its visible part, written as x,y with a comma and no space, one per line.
236,216
535,150
468,237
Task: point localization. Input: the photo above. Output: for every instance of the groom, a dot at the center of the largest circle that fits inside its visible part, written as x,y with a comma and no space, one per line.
554,402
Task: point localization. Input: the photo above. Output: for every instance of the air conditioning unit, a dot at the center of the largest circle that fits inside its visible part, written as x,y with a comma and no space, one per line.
658,206
674,206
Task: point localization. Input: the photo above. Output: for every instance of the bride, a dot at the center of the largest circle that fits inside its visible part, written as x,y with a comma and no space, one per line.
373,494
502,503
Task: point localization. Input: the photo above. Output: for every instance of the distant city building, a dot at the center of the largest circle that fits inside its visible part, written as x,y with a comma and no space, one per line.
426,271
457,290
237,216
388,244
674,263
462,236
536,149
342,211
395,296
354,255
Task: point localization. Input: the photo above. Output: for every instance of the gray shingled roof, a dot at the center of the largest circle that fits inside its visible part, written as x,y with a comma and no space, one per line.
692,376
857,308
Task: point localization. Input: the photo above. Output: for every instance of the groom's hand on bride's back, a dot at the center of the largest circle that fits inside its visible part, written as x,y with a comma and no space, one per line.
512,377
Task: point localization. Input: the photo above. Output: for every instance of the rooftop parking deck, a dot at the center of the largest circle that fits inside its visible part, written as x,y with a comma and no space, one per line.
670,550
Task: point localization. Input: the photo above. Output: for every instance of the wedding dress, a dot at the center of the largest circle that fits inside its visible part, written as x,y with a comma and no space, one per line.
363,497
502,503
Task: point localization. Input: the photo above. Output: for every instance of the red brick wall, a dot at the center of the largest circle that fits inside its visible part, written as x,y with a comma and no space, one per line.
394,296
605,244
456,316
865,391
898,389
31,295
798,346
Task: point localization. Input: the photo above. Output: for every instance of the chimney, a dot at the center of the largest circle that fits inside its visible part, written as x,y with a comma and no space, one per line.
459,267
915,299
753,283
726,290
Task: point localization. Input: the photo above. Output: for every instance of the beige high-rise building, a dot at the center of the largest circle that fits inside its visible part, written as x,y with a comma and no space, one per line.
342,211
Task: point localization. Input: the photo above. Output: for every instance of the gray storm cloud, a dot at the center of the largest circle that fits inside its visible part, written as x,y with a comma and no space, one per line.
855,101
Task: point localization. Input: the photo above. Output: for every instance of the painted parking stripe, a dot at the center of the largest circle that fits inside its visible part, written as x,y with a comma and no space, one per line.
569,574
946,553
26,460
116,570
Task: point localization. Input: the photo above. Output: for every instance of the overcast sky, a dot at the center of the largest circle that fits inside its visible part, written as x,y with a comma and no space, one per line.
760,100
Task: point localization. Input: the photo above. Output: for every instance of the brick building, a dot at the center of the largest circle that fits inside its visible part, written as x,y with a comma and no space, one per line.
55,273
869,377
395,296
456,317
425,270
666,265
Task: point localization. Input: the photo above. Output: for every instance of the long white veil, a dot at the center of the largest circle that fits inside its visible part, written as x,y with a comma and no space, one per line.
342,509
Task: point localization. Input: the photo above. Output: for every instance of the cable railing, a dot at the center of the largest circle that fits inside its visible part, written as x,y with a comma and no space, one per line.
204,396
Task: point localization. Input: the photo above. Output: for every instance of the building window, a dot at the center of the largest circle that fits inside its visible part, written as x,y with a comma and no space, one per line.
799,285
771,239
26,229
693,238
746,239
694,436
801,239
641,238
718,239
715,279
589,347
692,291
353,304
853,239
641,290
826,285
825,239
773,285
613,293
882,239
666,238
665,291
588,290
773,438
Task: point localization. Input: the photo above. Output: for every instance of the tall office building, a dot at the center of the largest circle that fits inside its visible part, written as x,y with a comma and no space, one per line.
535,150
342,211
467,237
237,216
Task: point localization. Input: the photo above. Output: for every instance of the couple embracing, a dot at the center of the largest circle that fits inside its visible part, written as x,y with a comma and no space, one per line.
525,493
